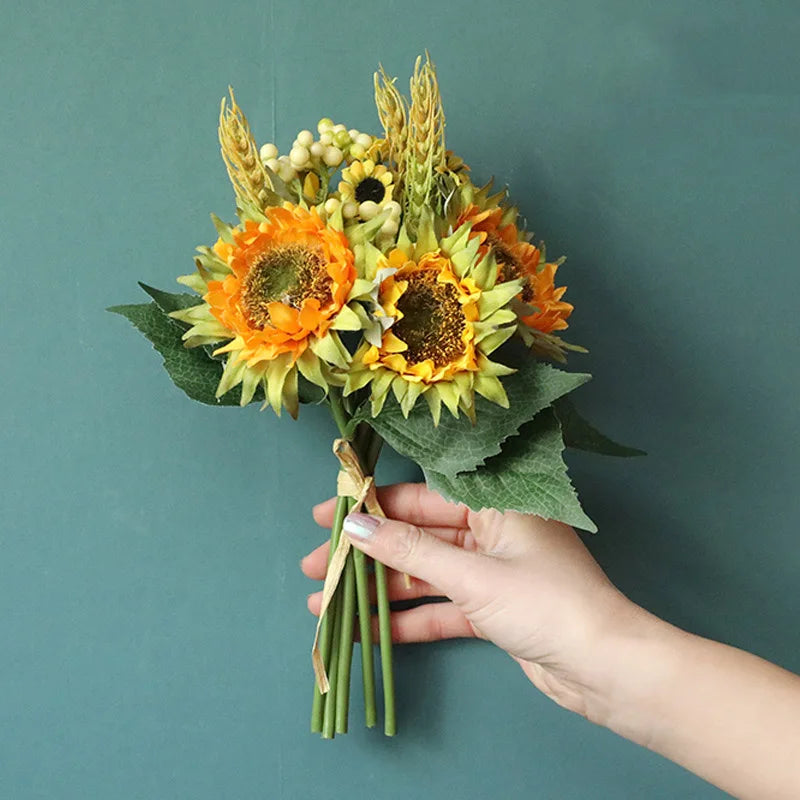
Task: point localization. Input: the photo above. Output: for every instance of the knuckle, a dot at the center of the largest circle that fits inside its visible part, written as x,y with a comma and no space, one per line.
407,544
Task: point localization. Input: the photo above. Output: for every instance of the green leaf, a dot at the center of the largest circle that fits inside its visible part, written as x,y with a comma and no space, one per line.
167,301
190,368
580,435
456,445
529,476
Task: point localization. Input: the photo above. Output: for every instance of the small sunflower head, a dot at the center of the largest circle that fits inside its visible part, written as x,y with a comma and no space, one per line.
365,189
278,291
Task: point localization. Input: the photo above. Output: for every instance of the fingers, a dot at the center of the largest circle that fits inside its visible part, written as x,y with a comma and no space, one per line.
315,564
408,502
400,587
458,573
427,623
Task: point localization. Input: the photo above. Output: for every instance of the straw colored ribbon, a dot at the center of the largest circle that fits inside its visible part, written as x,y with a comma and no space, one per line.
351,482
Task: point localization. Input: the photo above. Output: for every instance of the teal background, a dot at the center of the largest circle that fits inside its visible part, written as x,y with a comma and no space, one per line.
153,632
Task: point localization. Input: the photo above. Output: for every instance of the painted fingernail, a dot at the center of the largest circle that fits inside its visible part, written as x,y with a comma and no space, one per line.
362,526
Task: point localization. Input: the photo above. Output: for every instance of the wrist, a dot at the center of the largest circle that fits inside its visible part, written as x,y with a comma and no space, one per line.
631,662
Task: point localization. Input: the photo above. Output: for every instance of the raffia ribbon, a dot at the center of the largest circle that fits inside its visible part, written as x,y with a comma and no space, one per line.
351,482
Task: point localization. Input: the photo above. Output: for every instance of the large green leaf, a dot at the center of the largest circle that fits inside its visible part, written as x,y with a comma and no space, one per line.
580,435
190,368
528,476
457,445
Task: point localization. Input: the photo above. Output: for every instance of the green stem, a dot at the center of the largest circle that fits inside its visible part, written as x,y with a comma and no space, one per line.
347,614
329,717
330,713
340,416
385,629
360,564
326,630
374,442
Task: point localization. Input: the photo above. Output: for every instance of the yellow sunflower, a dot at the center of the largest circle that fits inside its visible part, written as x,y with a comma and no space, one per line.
448,317
365,188
278,290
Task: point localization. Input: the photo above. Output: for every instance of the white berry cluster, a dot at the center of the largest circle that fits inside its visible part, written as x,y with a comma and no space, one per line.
335,145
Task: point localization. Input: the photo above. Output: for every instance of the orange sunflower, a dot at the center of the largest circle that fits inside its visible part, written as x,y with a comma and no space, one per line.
519,259
278,289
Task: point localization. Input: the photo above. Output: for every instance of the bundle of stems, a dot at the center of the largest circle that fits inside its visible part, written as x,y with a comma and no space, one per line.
351,602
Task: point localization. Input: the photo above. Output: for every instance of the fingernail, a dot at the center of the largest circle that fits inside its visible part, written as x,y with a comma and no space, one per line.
362,526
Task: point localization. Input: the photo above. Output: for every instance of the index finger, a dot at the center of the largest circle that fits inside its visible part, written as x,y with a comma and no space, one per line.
414,503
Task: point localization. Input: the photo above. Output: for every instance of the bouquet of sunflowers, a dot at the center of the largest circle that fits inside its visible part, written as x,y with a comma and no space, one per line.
385,295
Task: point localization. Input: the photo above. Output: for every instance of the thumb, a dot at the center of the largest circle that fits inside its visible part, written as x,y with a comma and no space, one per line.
456,572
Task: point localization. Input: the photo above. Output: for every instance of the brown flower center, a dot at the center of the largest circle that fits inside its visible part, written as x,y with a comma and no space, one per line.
370,189
286,273
432,321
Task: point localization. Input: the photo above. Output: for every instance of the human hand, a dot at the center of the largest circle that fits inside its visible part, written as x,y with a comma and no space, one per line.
526,584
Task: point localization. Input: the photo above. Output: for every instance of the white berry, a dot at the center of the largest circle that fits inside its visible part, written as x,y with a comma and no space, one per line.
368,209
333,156
299,157
394,209
268,151
305,138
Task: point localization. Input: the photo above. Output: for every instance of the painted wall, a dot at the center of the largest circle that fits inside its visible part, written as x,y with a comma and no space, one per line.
153,633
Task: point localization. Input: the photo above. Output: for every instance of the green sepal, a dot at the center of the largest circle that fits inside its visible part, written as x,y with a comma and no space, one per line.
360,288
490,387
330,348
494,299
347,320
224,231
247,209
194,281
335,220
457,240
365,231
464,259
276,374
492,341
426,236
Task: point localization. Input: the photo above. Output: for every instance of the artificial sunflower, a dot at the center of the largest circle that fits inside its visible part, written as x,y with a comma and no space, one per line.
366,182
448,317
278,290
540,307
